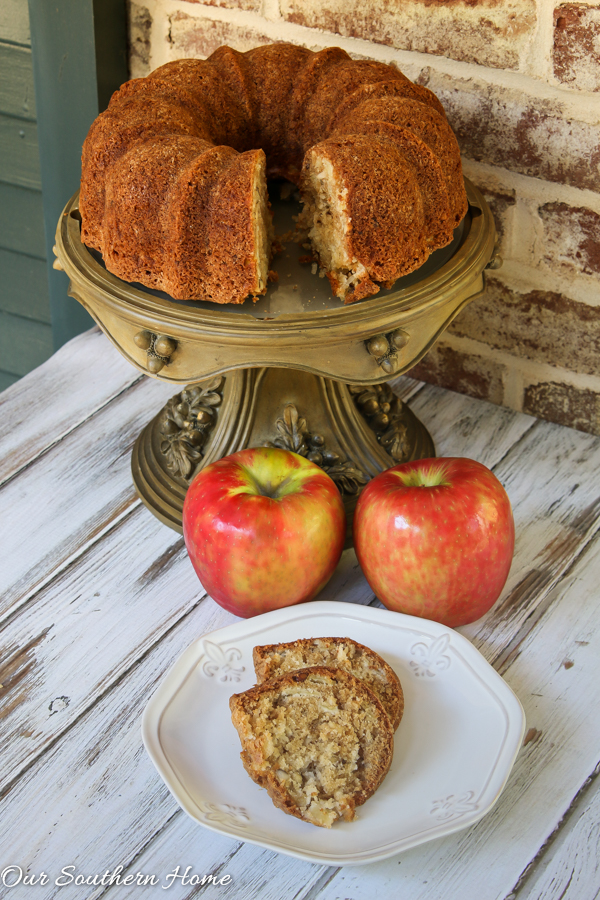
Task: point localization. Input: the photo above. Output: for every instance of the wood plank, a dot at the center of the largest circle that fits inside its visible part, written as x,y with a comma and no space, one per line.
561,749
468,431
47,404
24,286
106,778
19,153
24,343
92,488
83,631
463,426
64,605
254,872
553,480
62,610
131,587
500,844
567,869
17,93
14,21
22,221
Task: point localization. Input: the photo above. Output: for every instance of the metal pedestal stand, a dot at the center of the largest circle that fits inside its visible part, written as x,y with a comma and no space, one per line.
296,370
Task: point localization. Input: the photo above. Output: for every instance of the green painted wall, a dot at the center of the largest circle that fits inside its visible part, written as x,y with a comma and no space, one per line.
60,61
25,321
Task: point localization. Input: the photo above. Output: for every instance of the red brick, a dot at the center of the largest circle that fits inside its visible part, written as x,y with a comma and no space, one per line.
576,51
505,127
192,37
486,32
572,237
461,372
543,326
564,404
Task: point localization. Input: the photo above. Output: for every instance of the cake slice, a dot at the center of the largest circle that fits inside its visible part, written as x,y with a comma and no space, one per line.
363,213
273,660
317,739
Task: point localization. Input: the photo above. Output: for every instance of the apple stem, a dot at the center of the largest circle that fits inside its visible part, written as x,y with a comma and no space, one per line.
268,489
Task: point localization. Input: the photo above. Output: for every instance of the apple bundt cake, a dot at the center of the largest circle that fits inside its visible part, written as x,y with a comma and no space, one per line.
173,187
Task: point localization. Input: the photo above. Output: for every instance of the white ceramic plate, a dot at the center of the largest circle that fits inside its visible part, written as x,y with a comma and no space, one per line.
454,749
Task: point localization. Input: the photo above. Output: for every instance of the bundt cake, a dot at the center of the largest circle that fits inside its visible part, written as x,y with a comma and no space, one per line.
272,660
317,739
173,187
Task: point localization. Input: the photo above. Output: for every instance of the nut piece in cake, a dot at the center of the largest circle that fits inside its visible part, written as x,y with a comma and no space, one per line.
317,739
273,660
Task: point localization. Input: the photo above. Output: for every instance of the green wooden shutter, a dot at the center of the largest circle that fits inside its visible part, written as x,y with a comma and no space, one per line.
25,324
75,53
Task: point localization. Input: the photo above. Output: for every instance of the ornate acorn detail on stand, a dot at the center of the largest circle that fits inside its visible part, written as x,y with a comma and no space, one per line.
384,412
186,424
383,348
159,349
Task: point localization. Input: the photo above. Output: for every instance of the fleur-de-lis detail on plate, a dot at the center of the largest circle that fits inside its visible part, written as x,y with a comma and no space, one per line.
431,656
451,807
225,814
220,663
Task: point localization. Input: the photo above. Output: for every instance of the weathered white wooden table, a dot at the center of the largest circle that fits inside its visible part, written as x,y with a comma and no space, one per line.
97,599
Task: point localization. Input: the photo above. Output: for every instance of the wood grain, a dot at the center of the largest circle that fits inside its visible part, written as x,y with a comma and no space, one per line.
19,153
17,93
106,603
80,488
25,286
553,480
462,426
94,798
24,344
486,861
90,625
34,418
567,867
22,221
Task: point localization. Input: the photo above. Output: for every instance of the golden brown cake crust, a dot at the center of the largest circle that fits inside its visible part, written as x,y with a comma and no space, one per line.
318,740
387,139
273,660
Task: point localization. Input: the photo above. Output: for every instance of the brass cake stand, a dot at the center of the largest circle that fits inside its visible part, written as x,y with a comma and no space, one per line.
297,369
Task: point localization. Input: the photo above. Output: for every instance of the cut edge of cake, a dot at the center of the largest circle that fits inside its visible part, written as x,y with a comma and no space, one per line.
318,740
273,660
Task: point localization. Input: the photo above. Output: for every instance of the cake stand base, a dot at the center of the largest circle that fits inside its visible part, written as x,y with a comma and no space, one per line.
352,431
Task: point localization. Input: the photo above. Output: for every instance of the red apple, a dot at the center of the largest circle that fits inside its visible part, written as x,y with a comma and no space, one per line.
435,538
264,528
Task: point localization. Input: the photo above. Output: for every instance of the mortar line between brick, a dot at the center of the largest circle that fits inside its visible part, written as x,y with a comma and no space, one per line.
532,188
524,278
584,108
539,57
532,371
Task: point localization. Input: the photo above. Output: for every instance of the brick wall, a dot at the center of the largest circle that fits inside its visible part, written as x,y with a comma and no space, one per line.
520,82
